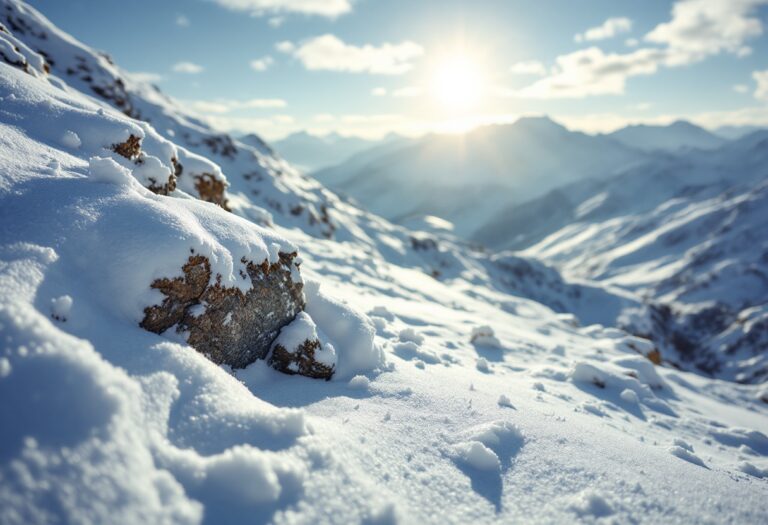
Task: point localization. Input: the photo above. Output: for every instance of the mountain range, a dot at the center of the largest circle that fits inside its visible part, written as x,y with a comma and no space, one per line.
310,152
195,331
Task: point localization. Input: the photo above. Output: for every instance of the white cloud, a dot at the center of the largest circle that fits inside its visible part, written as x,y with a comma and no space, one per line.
146,76
227,106
408,92
607,122
640,106
324,117
608,29
182,21
276,21
328,8
358,119
761,78
741,88
701,28
328,52
285,46
262,103
631,42
528,67
749,116
379,92
187,67
262,64
284,119
591,71
697,29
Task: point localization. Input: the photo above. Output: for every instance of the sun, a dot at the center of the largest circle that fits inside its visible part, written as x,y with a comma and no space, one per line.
458,82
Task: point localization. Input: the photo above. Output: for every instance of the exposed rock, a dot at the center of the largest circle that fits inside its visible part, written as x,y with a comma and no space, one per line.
654,356
228,326
211,189
162,189
130,149
301,360
298,350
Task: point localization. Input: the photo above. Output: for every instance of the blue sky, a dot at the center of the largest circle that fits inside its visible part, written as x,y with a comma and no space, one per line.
370,66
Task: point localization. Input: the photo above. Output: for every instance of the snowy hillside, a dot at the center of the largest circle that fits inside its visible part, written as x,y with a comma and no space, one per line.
680,135
194,332
684,233
466,179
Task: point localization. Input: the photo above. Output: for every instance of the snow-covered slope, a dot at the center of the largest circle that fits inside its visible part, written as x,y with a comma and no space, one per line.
261,185
685,233
456,399
466,179
679,135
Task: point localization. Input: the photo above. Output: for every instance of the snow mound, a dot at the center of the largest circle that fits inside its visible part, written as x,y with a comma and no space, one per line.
590,503
477,455
300,349
351,332
484,336
102,169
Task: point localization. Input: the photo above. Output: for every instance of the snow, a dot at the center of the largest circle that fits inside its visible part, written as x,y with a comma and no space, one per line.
303,329
102,169
70,140
504,401
685,452
359,382
60,307
350,331
560,420
680,135
477,455
475,183
589,503
484,336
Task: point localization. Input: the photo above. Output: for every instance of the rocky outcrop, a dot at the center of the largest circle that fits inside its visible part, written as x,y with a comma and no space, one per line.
226,324
301,360
156,179
211,189
298,350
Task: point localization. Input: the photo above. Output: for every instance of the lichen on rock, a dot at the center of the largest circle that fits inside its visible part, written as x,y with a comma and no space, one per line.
226,324
298,350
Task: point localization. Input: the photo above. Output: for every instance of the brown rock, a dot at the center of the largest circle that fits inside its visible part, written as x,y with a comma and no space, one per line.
654,356
228,326
130,149
162,189
301,361
211,189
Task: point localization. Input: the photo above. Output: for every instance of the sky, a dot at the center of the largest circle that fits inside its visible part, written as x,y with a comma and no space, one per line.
368,67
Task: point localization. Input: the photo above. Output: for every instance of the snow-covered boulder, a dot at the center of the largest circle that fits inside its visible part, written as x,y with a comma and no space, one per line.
145,250
227,324
299,350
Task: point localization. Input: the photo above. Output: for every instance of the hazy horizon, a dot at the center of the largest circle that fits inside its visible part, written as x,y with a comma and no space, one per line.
375,67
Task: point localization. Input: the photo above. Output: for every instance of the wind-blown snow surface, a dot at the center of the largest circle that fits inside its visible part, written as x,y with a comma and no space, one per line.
102,422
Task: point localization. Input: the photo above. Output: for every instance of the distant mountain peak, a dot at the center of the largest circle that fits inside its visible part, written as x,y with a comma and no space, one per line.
678,135
538,122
